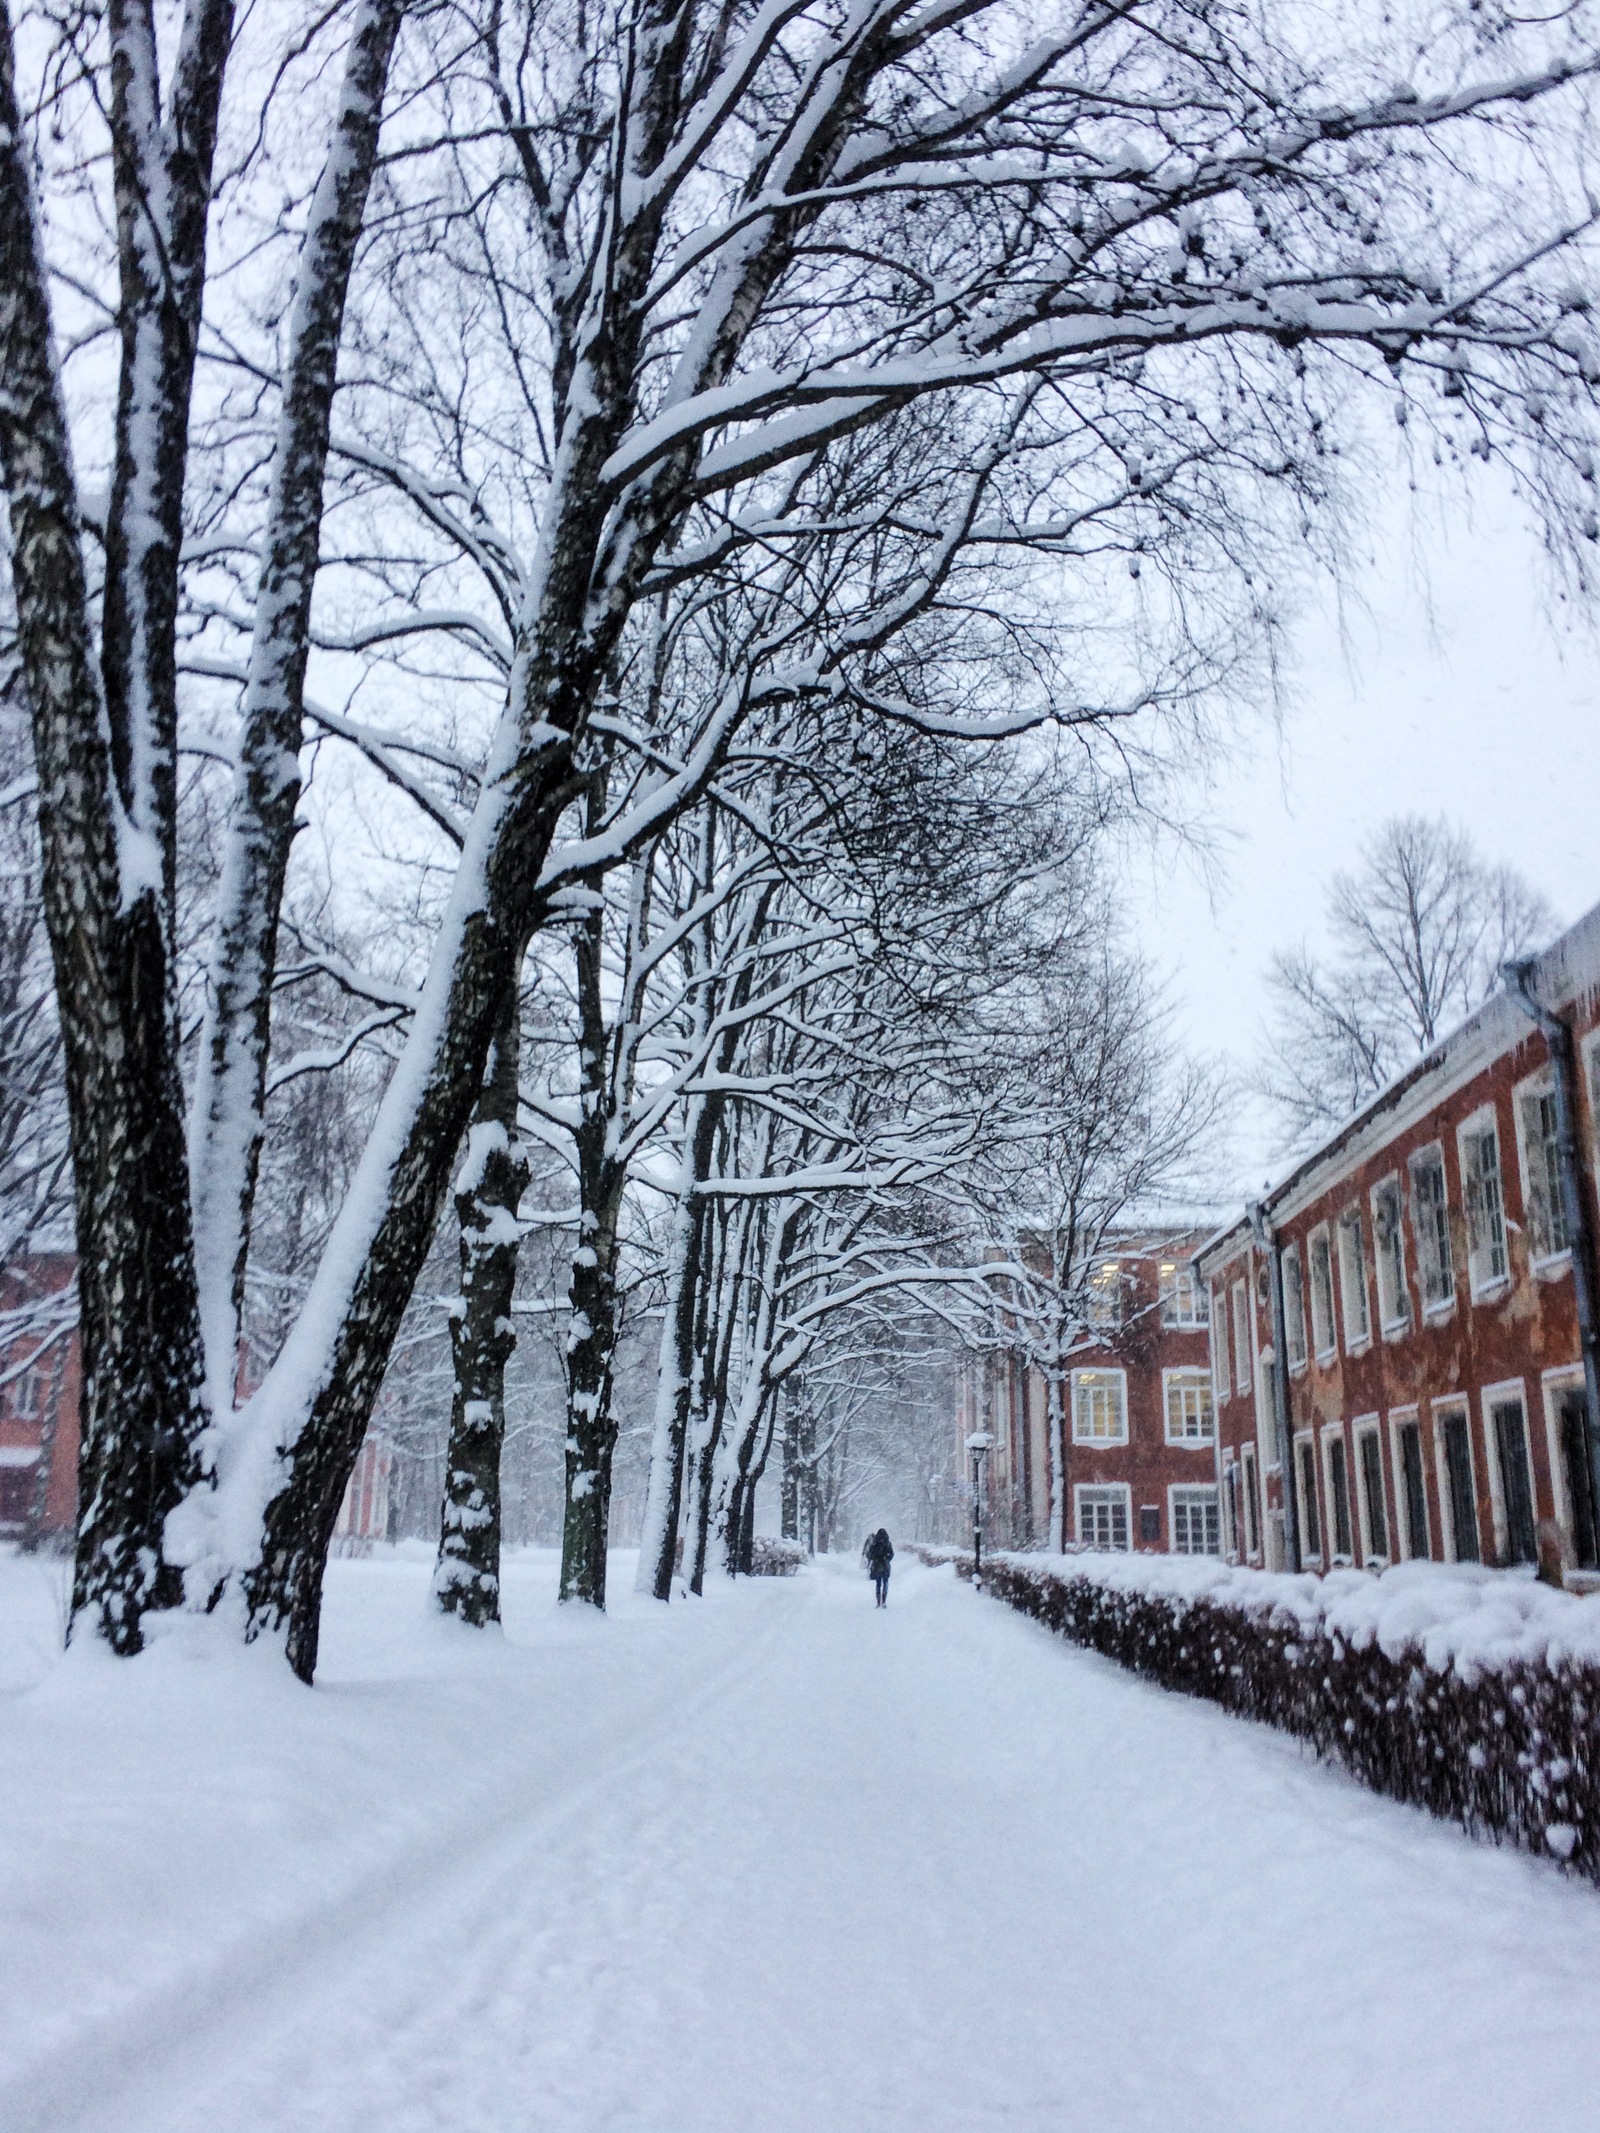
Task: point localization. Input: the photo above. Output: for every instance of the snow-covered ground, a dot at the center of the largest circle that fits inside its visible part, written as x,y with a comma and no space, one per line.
775,1862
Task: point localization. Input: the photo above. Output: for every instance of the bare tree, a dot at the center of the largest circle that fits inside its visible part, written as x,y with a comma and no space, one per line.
1420,931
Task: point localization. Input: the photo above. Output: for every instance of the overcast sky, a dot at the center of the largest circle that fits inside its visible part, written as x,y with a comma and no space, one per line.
1452,685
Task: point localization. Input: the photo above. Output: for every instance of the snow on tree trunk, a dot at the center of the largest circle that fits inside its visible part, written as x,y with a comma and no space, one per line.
489,1191
230,1093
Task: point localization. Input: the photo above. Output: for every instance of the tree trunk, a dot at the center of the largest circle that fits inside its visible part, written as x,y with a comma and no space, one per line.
482,1336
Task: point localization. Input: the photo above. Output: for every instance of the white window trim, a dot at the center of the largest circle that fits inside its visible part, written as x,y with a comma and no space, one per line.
1438,1410
1492,1396
1308,1438
1548,1265
1564,1377
1122,1377
1197,1292
1589,1055
1101,1490
1238,1290
1361,1343
1400,1537
1324,1355
1251,1499
1221,1386
1295,1369
1335,1433
1175,1489
1371,1426
1392,1329
1190,1371
1433,1314
1486,1115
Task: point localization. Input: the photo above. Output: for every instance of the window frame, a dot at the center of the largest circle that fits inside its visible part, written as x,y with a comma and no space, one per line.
1484,1123
1351,1226
1120,1378
1103,1296
1403,1418
1555,1385
1322,1238
1438,1226
1198,1379
1295,1345
1365,1430
1241,1317
1250,1482
1440,1412
1221,1384
1543,1258
1393,1324
1338,1502
1172,1313
1188,1492
1109,1494
1510,1392
1305,1453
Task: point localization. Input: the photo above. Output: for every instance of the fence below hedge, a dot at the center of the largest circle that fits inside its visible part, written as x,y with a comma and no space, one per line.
1510,1754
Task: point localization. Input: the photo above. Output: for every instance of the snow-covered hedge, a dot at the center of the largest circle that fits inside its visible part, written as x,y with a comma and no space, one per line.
774,1558
1474,1693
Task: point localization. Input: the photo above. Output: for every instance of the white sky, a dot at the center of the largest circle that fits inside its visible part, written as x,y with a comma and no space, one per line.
1452,685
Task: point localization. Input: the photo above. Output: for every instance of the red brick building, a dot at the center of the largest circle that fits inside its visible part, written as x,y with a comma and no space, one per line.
1426,1274
40,1387
1137,1461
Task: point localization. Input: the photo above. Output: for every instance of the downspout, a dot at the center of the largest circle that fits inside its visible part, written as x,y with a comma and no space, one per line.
1267,1241
1574,1206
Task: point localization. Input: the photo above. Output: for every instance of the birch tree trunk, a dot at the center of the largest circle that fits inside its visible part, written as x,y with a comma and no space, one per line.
489,1191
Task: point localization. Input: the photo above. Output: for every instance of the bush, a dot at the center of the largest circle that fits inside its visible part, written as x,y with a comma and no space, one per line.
773,1558
1508,1751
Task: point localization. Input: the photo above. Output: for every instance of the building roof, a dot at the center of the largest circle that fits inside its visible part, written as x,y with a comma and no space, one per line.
1568,970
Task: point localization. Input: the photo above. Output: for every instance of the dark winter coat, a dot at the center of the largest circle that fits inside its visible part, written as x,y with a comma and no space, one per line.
879,1552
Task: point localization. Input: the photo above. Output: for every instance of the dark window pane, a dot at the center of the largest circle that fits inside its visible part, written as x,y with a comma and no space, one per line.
1411,1480
1341,1499
1372,1493
1580,1479
1511,1442
1463,1506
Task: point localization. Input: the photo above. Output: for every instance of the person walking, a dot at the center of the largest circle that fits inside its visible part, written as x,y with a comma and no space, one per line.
878,1555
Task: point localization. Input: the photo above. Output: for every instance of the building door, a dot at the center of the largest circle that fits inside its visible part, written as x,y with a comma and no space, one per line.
1458,1486
1511,1448
1580,1480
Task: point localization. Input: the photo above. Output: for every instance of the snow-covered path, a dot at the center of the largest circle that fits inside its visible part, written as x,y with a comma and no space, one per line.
774,1862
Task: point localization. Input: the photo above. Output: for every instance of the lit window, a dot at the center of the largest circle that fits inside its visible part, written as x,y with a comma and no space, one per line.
1105,1294
1099,1407
1430,1219
1194,1522
1394,1298
1180,1296
1294,1308
1189,1413
1103,1517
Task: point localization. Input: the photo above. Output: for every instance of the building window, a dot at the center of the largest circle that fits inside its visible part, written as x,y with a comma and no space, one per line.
1353,1280
1099,1407
1459,1492
24,1393
1430,1219
1374,1506
1541,1150
17,1478
1219,1345
1510,1434
1195,1529
1321,1293
1180,1295
1294,1307
1105,1294
1103,1517
1150,1525
1252,1502
1413,1496
1389,1250
1310,1524
1486,1215
1584,1527
1188,1403
1241,1337
1339,1499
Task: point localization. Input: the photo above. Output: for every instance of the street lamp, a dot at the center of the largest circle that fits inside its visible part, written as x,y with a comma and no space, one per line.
979,1445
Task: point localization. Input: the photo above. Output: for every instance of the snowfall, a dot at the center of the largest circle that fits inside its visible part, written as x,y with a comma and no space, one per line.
771,1861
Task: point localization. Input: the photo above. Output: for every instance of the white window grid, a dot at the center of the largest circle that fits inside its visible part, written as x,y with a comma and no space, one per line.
1323,1330
1242,1344
1186,1404
1539,1150
1389,1255
1478,1142
1099,1407
1193,1520
1430,1223
1294,1307
1103,1515
1182,1303
1353,1280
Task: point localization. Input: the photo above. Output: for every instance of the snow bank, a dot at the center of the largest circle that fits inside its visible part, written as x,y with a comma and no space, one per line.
1470,1692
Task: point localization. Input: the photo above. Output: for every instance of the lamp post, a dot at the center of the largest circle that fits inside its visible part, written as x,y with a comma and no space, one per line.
978,1444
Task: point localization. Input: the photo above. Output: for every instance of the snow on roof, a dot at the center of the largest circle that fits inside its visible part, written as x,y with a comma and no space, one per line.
1568,970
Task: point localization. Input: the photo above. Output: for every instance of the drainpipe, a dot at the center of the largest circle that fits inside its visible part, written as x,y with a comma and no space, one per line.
1266,1239
1574,1206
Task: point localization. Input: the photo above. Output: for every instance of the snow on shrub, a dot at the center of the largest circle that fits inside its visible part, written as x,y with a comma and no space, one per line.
1473,1693
773,1558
